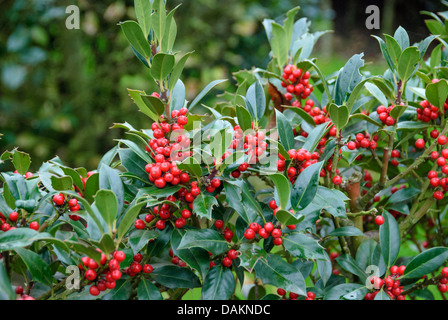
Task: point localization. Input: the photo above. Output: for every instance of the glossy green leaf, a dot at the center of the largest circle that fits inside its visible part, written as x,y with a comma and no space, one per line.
389,239
339,115
300,245
148,291
207,239
136,38
174,277
162,65
244,118
21,161
436,93
203,205
285,132
426,262
38,268
219,284
256,100
305,187
408,60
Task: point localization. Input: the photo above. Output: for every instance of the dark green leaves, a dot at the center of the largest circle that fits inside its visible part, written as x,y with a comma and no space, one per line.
38,268
408,60
389,239
436,93
162,65
148,291
21,161
136,38
305,188
339,115
283,188
284,131
426,262
348,78
244,118
219,284
203,205
302,246
6,291
207,239
172,277
277,272
106,204
256,100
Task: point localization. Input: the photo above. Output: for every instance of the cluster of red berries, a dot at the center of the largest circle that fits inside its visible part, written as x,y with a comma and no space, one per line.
300,159
73,205
264,232
293,296
10,222
428,112
319,115
19,291
296,83
391,284
232,254
164,153
384,115
162,214
226,232
254,145
105,274
136,266
440,184
442,286
363,141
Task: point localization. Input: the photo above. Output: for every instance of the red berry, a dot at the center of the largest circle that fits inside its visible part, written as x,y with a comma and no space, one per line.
219,224
147,268
420,143
139,224
379,220
34,225
13,216
94,291
442,140
249,234
337,180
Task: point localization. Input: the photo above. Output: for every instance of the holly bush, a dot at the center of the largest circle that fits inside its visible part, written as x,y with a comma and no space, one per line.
295,185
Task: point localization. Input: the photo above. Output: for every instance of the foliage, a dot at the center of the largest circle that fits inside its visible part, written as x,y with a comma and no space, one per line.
316,187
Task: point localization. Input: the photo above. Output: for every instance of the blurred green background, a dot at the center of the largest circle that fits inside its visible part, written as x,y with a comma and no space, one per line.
61,90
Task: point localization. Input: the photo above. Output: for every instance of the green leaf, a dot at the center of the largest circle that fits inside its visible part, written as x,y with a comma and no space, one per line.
285,132
174,277
349,264
109,179
62,183
287,218
204,91
162,65
139,238
385,52
203,205
250,253
6,291
377,93
331,200
170,31
143,12
283,188
347,231
137,97
219,284
436,93
244,118
234,197
196,258
256,100
279,44
348,78
346,291
122,290
21,161
158,21
302,246
38,268
20,237
106,204
403,195
177,71
302,114
275,271
389,239
207,239
408,60
315,136
148,291
393,49
305,187
426,262
128,220
338,115
324,268
402,37
136,38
